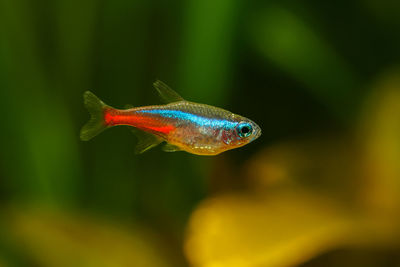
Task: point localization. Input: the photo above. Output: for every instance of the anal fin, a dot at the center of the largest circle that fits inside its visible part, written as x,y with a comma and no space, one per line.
146,141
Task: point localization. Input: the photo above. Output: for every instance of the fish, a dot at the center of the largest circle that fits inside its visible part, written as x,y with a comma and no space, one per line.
181,125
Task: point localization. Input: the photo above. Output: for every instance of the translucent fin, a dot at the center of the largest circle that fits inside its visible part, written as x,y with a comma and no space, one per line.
96,124
128,106
166,93
146,141
170,148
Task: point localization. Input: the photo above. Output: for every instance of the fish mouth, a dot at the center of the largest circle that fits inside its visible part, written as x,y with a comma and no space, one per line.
256,135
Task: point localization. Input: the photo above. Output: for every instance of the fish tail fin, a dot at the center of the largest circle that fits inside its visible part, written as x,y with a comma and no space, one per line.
96,109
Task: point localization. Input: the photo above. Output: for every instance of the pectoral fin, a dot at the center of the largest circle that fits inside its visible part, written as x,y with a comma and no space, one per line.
146,141
170,148
166,93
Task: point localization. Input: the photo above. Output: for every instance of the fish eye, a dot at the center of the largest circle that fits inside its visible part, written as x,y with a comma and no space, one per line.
244,130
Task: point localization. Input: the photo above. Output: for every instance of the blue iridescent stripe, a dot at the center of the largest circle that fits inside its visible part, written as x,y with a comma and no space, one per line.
193,118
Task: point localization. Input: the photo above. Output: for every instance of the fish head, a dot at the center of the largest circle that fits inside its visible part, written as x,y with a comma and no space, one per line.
242,132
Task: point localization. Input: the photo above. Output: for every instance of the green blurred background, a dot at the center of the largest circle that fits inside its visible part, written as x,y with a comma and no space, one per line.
320,187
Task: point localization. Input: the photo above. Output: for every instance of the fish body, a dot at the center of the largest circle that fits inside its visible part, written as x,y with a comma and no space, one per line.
195,128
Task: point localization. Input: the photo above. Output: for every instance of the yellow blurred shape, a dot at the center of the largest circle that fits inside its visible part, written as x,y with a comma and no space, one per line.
57,239
285,225
270,166
327,163
277,230
381,134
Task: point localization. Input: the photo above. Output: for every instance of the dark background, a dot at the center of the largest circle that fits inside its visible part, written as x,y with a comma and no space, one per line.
320,187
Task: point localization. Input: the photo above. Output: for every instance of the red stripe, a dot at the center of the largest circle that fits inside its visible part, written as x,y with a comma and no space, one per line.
162,129
116,117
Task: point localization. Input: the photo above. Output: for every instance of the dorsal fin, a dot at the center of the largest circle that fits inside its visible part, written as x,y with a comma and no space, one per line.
128,106
166,93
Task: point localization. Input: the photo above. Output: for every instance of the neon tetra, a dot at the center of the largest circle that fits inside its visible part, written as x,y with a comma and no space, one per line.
195,128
